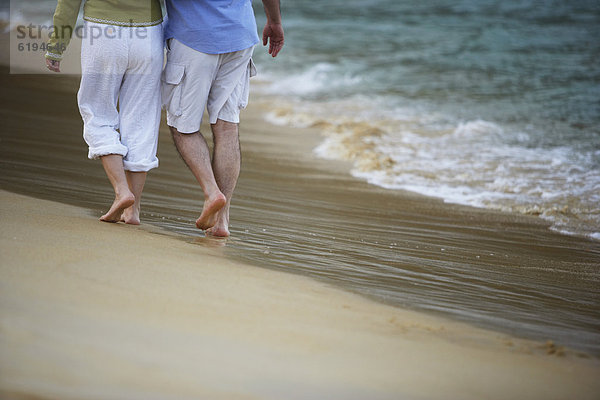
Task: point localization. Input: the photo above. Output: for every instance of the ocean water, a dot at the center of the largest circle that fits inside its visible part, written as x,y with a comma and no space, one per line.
486,103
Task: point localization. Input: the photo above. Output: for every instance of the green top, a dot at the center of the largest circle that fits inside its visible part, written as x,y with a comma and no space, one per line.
131,13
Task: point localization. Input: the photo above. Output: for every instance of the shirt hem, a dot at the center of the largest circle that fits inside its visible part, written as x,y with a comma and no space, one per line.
130,24
211,51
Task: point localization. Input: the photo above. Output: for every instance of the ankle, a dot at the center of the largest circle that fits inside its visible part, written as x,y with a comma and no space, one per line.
216,193
123,192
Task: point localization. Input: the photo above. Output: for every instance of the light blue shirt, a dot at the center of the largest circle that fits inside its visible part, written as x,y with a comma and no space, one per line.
212,26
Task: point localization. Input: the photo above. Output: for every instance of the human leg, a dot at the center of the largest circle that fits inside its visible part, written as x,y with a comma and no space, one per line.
224,107
135,181
226,167
139,111
113,165
187,80
191,80
194,151
103,65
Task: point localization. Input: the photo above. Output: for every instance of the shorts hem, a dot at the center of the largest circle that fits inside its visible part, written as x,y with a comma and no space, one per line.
234,119
181,127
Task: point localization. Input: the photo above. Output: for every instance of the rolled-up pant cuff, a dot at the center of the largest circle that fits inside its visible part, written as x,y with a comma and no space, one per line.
96,152
140,167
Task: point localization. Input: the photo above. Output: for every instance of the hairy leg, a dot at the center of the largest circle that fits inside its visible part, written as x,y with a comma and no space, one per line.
136,181
226,165
113,165
194,151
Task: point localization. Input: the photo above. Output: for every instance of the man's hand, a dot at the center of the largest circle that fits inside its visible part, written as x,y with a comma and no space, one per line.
273,34
53,65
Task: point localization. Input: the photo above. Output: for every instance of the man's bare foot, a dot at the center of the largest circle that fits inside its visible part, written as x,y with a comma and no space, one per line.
221,227
131,216
117,208
212,205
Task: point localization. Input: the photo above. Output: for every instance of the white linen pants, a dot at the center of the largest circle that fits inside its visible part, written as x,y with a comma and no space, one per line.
119,94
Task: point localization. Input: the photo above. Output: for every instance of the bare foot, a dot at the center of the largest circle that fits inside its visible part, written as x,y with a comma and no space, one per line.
131,215
212,205
219,230
221,227
117,208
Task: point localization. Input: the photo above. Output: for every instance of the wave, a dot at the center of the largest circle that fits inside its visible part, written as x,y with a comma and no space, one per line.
319,78
477,163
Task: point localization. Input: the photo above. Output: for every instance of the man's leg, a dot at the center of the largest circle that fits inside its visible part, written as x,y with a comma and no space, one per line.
194,151
113,165
226,164
136,181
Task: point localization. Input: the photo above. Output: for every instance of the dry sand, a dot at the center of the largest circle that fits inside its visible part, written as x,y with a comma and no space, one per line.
91,310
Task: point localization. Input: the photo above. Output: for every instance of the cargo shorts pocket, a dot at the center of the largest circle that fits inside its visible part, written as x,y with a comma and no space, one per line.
171,90
245,89
252,68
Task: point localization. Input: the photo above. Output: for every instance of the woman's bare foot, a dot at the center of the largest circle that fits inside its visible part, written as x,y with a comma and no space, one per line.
131,215
212,205
135,181
219,230
117,208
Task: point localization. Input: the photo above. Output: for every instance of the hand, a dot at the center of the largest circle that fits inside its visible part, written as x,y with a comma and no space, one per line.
53,65
273,33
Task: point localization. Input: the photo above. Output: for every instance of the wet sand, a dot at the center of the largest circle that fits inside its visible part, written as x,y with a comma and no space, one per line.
93,310
160,311
294,212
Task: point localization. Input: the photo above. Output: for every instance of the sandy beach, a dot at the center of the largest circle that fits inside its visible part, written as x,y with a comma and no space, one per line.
98,311
282,310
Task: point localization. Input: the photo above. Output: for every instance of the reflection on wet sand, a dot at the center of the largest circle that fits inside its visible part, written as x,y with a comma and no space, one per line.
295,213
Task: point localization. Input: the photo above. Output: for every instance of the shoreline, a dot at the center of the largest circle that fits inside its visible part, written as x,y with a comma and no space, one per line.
355,143
28,64
297,214
293,212
90,310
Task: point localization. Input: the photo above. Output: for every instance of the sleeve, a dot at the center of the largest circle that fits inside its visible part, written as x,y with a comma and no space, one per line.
65,18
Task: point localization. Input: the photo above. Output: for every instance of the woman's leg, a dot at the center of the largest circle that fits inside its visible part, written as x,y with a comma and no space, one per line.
103,64
139,111
124,198
136,181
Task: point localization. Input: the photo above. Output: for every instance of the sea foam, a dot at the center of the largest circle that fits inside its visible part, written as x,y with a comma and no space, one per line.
477,162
